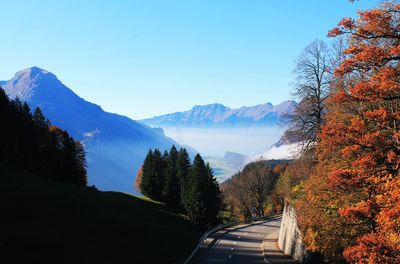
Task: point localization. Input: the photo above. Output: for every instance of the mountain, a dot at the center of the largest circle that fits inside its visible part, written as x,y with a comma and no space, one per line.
116,145
218,115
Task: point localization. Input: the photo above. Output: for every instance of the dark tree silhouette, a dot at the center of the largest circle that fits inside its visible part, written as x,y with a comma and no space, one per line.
29,141
172,188
172,179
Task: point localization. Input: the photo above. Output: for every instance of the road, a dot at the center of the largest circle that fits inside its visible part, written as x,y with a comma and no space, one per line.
244,244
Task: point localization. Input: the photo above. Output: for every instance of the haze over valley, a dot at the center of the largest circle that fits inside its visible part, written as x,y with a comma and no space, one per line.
215,129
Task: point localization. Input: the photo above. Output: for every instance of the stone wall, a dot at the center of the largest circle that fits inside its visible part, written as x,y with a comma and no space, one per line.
290,238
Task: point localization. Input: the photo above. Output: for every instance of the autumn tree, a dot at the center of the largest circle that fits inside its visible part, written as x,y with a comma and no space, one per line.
358,153
138,179
248,191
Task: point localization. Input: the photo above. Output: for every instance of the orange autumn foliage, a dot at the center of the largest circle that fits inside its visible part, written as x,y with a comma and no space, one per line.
354,192
138,179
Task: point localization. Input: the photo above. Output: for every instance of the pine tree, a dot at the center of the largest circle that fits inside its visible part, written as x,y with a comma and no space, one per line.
201,195
153,175
213,197
172,188
158,176
192,198
81,165
40,120
41,127
146,186
183,168
6,120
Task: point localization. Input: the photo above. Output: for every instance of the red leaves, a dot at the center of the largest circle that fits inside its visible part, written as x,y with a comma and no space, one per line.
372,248
335,32
347,24
342,177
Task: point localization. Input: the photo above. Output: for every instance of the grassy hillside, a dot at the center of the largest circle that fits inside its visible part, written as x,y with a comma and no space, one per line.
42,220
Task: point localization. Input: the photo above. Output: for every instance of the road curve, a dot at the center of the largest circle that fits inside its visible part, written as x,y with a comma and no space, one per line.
243,244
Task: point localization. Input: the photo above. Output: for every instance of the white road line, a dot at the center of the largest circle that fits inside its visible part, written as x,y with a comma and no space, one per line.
230,256
216,243
238,237
231,249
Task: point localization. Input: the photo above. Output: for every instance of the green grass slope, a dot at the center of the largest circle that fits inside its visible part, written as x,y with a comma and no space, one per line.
42,221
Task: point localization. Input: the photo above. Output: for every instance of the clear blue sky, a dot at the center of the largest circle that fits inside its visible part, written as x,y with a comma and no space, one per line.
144,58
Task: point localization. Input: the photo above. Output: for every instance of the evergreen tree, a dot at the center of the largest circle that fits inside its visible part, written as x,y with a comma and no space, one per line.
183,168
172,188
41,127
146,186
213,197
81,165
40,121
201,198
158,176
153,175
5,117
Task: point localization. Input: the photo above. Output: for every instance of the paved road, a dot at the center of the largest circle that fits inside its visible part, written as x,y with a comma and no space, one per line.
244,244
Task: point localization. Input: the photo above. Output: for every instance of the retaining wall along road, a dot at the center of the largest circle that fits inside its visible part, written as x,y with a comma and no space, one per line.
290,238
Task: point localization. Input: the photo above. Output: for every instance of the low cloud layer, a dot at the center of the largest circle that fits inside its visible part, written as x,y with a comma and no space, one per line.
215,141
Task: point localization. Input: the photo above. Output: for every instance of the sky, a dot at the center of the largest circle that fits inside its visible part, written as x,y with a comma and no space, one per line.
146,58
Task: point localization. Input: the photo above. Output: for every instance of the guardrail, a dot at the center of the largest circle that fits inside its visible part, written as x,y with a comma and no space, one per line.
224,226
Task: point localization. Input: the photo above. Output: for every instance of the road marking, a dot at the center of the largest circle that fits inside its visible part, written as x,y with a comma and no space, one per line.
216,243
238,237
230,256
231,249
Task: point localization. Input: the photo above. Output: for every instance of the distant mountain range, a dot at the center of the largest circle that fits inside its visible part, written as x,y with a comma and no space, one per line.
218,115
116,145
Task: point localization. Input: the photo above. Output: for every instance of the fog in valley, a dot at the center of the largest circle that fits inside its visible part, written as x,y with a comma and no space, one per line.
215,141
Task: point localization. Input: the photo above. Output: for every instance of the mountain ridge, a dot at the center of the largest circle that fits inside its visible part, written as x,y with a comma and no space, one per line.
219,115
